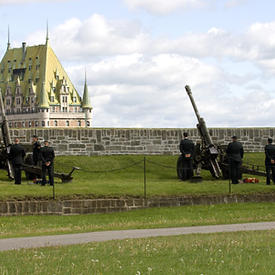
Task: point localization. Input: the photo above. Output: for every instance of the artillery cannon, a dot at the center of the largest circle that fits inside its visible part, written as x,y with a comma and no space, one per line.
31,171
209,156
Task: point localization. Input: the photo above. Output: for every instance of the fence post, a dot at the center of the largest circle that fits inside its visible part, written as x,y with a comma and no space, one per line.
144,179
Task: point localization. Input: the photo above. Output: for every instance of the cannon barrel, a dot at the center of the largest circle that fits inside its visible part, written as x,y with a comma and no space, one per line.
203,131
210,151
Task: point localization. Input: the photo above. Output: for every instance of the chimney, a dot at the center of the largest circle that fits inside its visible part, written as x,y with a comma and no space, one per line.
23,50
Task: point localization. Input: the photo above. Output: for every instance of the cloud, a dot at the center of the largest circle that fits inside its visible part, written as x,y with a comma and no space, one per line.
234,3
138,80
95,37
164,6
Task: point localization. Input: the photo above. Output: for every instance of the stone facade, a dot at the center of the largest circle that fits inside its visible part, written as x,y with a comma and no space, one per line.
89,206
111,141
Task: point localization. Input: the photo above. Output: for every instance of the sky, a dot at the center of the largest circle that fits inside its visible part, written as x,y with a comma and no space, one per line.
140,54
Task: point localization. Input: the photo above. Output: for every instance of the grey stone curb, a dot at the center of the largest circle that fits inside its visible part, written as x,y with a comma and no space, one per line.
81,238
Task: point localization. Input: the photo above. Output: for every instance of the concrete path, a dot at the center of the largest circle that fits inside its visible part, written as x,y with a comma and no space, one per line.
81,238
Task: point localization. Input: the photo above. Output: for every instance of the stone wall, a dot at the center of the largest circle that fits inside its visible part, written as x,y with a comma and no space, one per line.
95,141
89,206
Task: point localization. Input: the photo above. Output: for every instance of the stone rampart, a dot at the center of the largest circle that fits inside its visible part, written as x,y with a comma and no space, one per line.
111,141
89,206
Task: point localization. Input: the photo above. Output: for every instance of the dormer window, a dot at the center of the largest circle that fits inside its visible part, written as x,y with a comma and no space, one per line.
52,98
64,99
30,67
74,99
27,100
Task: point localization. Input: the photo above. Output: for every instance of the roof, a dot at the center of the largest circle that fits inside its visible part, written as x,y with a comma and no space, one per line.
36,65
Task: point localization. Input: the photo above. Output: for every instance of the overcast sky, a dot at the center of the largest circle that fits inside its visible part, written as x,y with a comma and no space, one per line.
139,55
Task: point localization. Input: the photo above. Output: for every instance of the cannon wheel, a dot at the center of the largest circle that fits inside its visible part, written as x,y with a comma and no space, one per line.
180,167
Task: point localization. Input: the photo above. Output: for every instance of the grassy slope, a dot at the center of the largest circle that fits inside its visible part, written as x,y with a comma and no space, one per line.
223,253
160,180
23,226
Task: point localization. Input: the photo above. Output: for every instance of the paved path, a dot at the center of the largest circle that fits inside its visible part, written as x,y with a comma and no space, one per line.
80,238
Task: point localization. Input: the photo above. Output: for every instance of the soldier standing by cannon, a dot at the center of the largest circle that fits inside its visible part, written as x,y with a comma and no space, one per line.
270,161
187,148
235,155
47,157
36,146
16,155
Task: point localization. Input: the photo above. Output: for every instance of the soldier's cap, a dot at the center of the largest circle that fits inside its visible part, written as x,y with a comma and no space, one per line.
269,140
234,137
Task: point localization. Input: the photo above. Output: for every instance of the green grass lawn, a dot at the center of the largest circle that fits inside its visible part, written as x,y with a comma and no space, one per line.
23,226
222,253
161,179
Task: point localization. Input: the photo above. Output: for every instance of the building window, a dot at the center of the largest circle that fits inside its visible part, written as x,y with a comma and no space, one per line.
18,101
30,124
55,123
67,123
30,67
15,124
79,123
23,124
8,101
74,99
52,98
8,111
29,81
43,123
10,124
53,109
27,100
64,99
88,123
64,109
18,110
48,123
75,109
32,99
37,67
36,80
36,123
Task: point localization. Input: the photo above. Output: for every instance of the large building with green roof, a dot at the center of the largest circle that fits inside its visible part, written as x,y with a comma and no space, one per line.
37,91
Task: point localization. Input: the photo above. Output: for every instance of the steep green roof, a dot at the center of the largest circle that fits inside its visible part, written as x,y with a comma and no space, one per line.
35,64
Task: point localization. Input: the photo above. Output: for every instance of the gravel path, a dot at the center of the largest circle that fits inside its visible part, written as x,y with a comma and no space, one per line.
80,238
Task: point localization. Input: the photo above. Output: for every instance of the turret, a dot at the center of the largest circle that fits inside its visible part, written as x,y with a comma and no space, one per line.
86,106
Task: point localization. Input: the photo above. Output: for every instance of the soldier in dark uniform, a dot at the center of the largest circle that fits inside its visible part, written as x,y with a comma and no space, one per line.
270,161
47,157
187,148
35,150
235,155
16,155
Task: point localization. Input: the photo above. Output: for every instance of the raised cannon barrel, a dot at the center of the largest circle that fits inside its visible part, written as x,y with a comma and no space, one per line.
209,152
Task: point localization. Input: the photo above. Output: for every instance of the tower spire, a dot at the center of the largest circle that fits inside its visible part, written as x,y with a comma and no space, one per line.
47,33
86,101
8,45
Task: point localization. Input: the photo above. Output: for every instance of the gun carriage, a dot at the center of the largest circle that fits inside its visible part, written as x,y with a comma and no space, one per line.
210,156
31,171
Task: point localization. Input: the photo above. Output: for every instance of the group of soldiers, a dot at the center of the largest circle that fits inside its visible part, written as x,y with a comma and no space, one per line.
41,156
235,155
